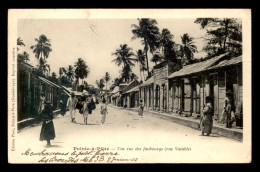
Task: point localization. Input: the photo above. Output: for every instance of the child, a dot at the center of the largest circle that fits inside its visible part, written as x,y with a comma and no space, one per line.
47,131
103,110
141,108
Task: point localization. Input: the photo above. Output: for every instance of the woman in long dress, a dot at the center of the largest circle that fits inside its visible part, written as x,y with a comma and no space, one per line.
228,109
103,109
207,121
47,130
141,108
63,104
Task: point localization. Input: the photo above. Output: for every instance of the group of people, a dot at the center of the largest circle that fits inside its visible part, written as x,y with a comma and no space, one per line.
230,114
84,104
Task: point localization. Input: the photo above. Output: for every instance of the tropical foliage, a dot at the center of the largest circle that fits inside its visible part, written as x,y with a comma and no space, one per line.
81,70
140,58
19,43
100,84
123,56
223,34
168,47
157,57
43,67
70,73
148,31
42,48
107,78
62,71
187,48
24,57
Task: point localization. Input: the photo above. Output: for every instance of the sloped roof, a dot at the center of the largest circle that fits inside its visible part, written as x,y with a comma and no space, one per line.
66,90
48,82
133,89
128,85
148,81
229,62
116,95
115,90
197,67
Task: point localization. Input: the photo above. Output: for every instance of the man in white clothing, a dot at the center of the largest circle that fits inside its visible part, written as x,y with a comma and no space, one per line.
71,103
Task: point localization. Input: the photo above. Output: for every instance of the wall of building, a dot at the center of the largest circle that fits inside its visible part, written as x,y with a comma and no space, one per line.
161,81
187,94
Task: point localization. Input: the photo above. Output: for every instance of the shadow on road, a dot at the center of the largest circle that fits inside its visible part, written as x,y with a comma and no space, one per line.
53,146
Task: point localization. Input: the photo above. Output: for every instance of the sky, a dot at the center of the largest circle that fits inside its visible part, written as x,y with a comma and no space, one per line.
94,40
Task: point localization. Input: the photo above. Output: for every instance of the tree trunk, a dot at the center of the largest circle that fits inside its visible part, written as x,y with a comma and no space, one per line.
147,63
146,49
226,35
140,71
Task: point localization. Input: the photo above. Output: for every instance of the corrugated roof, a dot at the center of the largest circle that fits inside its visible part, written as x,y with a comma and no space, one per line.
196,67
133,89
48,82
148,81
229,62
126,87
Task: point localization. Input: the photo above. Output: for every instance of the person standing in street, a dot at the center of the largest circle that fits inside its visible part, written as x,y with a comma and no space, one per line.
85,109
47,130
41,104
63,104
228,109
71,104
207,120
92,104
103,109
141,108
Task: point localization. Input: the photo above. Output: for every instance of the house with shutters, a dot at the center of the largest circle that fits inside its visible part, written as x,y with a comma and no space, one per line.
154,91
213,77
128,95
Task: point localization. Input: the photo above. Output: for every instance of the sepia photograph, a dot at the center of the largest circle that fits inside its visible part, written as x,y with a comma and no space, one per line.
129,86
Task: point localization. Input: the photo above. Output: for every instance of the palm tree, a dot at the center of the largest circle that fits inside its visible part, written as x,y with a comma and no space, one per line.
126,72
43,66
168,46
19,43
149,33
42,48
100,83
82,70
70,73
187,48
62,71
123,56
157,57
107,78
140,57
165,38
23,57
133,76
53,75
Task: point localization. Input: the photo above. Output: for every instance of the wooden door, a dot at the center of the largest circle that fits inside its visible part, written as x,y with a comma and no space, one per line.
187,96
